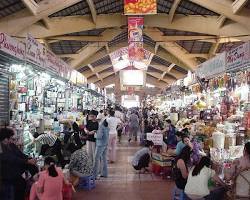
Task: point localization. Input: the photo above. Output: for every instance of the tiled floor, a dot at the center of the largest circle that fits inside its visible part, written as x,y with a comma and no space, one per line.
123,183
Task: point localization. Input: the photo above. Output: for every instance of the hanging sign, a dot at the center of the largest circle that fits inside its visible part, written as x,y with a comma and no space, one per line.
120,59
212,67
140,7
12,46
135,38
239,57
35,51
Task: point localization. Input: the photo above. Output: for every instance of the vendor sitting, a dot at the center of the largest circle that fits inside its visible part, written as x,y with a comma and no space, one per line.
197,152
181,143
80,163
197,182
142,157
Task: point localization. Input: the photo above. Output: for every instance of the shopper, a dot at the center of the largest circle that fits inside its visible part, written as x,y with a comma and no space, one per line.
134,125
113,122
180,167
50,183
91,129
102,140
169,132
81,163
76,135
13,185
51,142
197,183
142,157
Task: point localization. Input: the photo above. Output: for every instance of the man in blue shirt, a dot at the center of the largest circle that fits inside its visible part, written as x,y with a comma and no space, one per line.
183,141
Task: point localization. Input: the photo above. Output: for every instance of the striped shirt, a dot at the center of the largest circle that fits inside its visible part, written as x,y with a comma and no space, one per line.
48,138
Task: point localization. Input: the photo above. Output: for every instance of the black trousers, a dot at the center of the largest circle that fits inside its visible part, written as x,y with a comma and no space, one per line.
143,162
56,149
76,138
19,188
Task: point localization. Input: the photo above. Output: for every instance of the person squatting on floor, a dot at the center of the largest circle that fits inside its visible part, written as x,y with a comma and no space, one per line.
142,157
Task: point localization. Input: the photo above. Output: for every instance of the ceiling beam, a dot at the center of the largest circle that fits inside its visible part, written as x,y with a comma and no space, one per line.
106,81
205,38
87,51
173,48
221,20
198,24
161,53
96,73
198,55
165,70
102,76
97,69
22,20
237,5
172,72
46,22
69,24
92,10
213,50
31,5
173,9
224,7
171,67
91,48
154,81
67,55
149,79
158,76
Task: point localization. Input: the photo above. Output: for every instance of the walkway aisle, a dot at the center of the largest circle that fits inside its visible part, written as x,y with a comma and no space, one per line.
124,184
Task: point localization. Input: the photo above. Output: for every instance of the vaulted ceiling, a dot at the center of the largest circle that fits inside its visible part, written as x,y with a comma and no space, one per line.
182,35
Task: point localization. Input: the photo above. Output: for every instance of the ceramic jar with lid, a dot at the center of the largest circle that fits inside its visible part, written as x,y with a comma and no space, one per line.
218,140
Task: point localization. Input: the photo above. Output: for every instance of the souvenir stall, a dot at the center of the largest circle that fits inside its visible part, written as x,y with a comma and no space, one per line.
42,90
218,101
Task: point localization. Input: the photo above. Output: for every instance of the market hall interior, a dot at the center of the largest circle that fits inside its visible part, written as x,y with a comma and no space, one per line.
129,99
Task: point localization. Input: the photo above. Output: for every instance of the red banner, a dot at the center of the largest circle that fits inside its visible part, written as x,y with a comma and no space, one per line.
140,7
135,38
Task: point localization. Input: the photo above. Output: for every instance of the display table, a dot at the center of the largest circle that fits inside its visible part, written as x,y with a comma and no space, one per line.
162,164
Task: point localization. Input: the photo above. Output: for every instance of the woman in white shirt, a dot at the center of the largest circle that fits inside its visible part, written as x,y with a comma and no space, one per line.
197,183
113,122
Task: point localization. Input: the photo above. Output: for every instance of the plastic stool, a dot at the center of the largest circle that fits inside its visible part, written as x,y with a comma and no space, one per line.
87,182
178,194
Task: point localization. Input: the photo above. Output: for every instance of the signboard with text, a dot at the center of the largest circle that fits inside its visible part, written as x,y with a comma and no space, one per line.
11,46
238,57
212,67
157,139
35,51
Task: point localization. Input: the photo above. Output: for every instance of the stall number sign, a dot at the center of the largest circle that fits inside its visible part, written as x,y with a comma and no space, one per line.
157,139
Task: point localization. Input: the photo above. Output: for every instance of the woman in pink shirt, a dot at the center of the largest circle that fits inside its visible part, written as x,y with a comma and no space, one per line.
50,183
